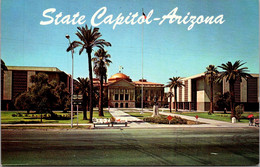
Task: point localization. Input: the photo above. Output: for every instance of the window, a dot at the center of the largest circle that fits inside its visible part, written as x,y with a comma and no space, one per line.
126,105
121,96
116,96
126,97
121,105
116,105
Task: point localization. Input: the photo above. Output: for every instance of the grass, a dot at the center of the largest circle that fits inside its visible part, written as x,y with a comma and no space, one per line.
218,116
138,115
7,118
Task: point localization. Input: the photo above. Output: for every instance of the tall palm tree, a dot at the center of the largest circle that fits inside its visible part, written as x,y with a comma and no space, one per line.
170,94
175,83
101,61
211,75
232,73
89,38
83,87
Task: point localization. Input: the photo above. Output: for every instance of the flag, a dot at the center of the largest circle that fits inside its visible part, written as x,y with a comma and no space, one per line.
144,15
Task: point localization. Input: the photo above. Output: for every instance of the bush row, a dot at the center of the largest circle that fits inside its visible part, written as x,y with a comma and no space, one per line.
163,120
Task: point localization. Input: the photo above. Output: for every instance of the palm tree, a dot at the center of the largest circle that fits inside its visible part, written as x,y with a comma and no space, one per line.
170,94
101,61
83,87
232,73
211,75
89,39
175,83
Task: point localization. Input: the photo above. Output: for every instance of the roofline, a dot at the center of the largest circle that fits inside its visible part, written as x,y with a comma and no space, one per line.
120,80
203,74
150,83
193,76
34,68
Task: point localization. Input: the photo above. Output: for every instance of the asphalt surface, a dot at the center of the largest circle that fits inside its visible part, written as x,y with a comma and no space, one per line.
175,146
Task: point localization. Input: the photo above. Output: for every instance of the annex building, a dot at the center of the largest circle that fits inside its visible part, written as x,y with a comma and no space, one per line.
119,91
17,80
195,95
122,92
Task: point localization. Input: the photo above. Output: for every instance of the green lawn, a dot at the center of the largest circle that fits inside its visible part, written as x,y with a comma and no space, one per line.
7,118
218,116
138,115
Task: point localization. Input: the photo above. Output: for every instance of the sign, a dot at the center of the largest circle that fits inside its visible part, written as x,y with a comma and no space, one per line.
169,118
77,99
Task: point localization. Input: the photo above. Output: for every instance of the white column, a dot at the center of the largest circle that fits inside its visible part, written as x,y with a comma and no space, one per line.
189,90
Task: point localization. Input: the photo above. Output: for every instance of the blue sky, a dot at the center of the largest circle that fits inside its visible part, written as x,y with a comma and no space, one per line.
169,49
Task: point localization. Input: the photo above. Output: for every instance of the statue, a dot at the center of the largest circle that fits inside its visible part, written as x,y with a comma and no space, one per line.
155,107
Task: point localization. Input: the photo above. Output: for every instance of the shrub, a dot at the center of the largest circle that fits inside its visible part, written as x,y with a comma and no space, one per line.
239,111
163,120
19,114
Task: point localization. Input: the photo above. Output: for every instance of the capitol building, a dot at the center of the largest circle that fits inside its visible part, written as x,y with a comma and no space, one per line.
122,92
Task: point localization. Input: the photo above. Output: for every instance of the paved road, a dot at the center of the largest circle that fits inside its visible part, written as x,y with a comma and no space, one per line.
175,146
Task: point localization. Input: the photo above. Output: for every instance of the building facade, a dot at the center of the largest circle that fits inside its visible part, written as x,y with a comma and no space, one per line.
195,95
17,80
122,92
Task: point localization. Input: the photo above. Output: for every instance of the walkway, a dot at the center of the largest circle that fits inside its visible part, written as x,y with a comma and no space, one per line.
137,123
133,121
209,122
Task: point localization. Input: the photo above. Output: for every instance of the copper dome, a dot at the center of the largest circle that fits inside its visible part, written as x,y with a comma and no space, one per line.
119,76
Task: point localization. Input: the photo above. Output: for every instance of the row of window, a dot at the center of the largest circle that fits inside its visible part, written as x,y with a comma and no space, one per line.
121,105
122,97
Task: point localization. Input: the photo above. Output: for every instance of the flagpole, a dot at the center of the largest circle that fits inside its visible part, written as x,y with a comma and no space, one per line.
142,104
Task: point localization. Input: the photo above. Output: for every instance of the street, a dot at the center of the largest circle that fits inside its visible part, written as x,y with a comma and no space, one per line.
161,146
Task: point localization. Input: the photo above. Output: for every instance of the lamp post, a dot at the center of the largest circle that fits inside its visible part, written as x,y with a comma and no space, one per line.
71,103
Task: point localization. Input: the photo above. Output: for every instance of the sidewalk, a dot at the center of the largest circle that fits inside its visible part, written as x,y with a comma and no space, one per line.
132,121
209,122
137,123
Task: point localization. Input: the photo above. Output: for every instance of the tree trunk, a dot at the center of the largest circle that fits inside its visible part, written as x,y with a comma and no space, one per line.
91,86
84,106
211,98
41,116
170,104
175,99
232,94
100,106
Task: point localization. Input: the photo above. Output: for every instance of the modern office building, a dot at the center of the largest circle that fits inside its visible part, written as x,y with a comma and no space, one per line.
120,91
195,95
17,80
